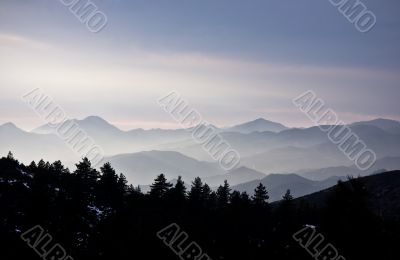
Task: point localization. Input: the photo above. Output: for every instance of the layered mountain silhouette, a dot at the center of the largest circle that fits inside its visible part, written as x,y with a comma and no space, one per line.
278,184
258,125
265,147
142,167
104,213
381,165
234,177
383,189
390,126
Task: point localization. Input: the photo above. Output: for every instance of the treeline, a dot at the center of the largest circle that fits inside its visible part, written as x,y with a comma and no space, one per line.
98,215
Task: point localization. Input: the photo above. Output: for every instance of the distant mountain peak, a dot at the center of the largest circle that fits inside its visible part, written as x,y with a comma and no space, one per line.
96,123
9,125
258,125
389,125
384,119
261,119
90,123
379,120
243,170
94,119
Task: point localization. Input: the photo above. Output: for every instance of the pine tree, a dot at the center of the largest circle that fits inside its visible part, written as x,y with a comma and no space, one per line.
10,156
122,183
85,172
223,194
32,166
108,176
286,205
287,197
87,178
57,173
108,188
41,174
58,167
42,165
260,195
206,192
177,194
159,187
196,191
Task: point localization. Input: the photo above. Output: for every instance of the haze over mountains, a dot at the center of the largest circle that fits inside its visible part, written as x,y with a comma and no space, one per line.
258,125
383,190
278,184
142,167
265,147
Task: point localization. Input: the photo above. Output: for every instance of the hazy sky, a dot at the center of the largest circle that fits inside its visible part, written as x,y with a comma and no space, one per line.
232,60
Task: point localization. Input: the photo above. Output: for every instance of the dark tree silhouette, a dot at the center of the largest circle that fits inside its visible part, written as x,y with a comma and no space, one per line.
98,216
177,194
160,187
196,191
109,191
86,177
260,195
223,194
287,197
10,155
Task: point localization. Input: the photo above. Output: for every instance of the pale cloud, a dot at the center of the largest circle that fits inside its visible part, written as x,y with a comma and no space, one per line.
13,40
223,64
225,89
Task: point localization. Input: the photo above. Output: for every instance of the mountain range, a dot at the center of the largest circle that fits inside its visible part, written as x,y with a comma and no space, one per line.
278,184
381,165
265,147
258,125
142,167
383,192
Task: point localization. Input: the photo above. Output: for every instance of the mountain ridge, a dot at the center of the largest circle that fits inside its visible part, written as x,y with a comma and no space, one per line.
257,125
278,184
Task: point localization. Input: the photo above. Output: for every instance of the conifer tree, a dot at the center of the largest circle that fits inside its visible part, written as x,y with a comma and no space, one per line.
223,194
196,191
87,178
108,188
160,187
287,197
260,195
206,192
178,193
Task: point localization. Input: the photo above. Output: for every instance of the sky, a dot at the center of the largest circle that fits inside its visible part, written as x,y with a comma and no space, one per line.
231,60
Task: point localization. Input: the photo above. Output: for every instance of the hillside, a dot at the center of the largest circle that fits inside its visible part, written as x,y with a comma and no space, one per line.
278,184
381,165
142,167
234,177
258,125
383,193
